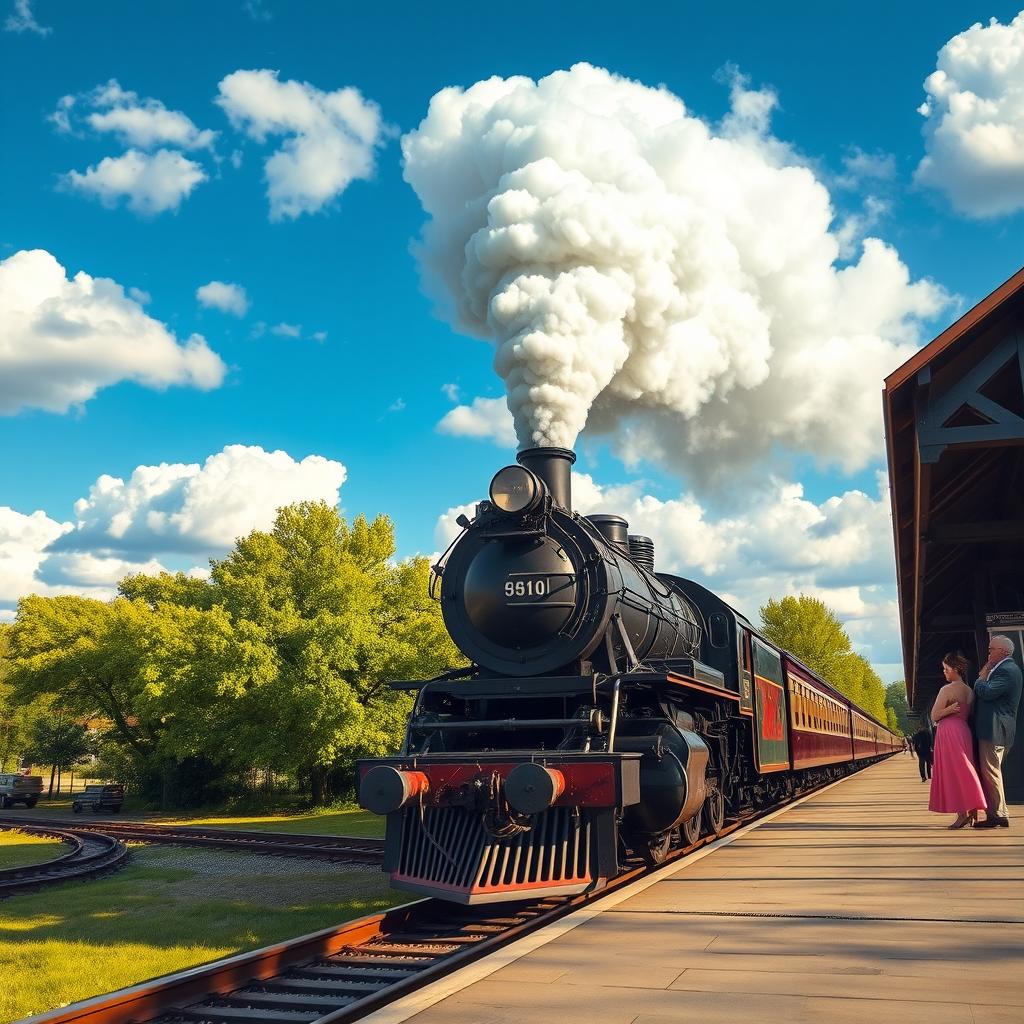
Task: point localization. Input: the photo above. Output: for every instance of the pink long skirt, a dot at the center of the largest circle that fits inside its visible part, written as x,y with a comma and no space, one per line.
956,787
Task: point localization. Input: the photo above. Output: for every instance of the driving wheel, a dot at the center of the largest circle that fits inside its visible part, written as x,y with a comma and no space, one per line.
714,811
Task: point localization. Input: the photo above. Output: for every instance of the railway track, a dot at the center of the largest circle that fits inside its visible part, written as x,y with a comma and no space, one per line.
90,854
341,974
334,848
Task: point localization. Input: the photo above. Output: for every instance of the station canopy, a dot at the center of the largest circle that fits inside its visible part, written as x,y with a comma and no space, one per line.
954,422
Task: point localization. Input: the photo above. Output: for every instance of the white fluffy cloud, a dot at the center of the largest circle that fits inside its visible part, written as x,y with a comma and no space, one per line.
839,550
974,128
24,20
62,340
193,508
860,167
28,566
646,275
151,183
330,137
486,418
287,330
23,543
855,226
186,511
140,122
228,298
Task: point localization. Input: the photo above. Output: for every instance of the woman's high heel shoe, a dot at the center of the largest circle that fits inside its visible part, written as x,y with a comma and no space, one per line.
962,820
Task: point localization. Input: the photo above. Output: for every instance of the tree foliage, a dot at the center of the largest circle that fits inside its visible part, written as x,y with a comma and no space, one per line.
280,660
58,741
809,629
896,701
17,716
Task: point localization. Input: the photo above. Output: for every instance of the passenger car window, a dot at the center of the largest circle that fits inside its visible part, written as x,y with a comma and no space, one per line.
767,663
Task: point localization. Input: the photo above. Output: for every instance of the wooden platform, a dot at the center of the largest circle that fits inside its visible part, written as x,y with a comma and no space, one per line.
855,906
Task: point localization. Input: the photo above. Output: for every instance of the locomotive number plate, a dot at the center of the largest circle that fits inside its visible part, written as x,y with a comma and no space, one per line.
539,587
525,587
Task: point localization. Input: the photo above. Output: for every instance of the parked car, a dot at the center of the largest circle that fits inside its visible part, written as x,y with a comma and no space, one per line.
20,789
99,797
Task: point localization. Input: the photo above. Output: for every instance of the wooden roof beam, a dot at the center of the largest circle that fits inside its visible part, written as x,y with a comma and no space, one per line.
990,531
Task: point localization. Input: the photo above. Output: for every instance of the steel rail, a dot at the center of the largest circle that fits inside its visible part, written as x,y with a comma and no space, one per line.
334,848
90,855
340,974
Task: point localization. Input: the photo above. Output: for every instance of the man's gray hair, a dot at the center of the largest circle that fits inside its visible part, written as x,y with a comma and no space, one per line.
1004,641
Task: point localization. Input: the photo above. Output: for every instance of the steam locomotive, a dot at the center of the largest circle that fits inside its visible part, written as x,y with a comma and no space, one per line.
610,710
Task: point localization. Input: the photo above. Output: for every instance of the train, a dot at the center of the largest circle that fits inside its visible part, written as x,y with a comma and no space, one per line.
609,711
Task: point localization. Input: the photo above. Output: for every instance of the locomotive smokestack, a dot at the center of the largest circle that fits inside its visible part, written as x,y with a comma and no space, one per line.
554,467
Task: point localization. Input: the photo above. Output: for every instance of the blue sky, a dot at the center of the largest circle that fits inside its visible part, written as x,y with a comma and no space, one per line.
369,395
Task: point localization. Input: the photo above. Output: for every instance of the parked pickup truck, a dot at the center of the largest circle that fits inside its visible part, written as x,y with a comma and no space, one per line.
99,797
20,789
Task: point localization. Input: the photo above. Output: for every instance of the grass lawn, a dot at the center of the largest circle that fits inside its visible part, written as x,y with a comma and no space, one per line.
349,821
170,909
19,850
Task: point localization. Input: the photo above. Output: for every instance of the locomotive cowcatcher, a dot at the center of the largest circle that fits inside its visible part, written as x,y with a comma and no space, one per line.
609,710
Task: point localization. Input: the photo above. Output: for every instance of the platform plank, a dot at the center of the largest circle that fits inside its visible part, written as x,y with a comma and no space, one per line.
855,905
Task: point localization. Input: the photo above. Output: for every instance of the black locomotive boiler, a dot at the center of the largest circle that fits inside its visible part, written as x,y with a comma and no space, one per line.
609,708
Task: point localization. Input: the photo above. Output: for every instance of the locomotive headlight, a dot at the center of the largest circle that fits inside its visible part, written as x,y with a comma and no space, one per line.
515,489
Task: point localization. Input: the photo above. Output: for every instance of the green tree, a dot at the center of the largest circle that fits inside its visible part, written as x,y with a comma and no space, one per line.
892,721
343,620
862,684
896,701
169,589
87,654
16,722
809,629
280,660
59,742
13,733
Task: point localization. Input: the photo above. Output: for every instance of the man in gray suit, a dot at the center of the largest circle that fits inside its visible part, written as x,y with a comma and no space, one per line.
996,696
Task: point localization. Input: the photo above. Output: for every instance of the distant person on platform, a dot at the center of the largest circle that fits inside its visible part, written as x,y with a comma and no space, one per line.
956,788
922,744
996,698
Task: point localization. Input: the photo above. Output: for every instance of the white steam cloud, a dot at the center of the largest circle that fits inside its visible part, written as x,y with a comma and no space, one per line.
641,271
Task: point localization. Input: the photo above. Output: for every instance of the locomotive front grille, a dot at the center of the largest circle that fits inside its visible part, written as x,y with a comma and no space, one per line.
448,852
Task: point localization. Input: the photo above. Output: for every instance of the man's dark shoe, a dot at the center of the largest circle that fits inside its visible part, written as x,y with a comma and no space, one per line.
993,823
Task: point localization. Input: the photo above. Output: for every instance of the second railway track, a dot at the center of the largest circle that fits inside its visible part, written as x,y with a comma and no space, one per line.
334,848
88,855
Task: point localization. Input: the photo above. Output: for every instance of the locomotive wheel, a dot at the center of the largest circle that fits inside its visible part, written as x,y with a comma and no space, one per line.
714,811
691,829
654,849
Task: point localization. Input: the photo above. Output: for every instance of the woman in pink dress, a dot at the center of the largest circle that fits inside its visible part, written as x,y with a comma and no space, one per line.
955,783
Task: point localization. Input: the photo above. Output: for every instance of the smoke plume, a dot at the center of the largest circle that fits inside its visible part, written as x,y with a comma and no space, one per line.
641,271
